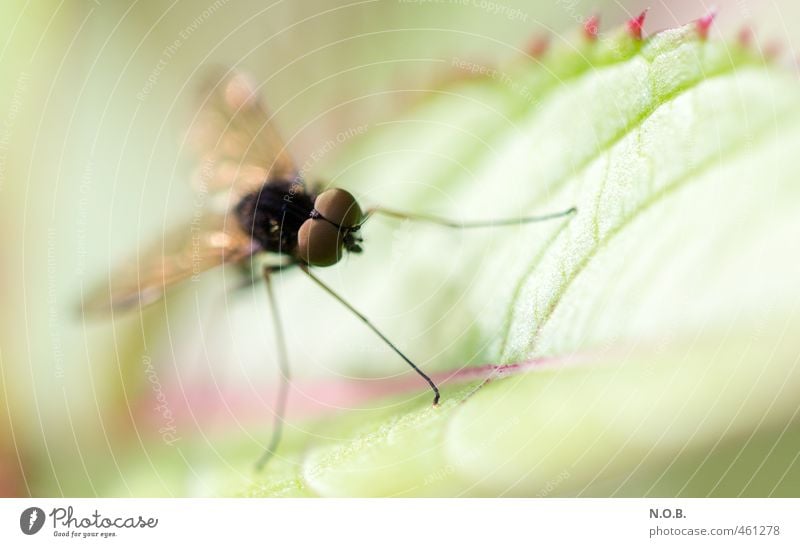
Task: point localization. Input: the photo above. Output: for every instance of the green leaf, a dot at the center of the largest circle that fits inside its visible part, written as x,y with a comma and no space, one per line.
656,329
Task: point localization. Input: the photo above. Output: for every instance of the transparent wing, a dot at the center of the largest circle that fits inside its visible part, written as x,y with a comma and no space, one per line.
234,138
238,150
181,254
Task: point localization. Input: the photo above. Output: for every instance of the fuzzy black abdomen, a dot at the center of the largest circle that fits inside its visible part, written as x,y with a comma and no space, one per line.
272,216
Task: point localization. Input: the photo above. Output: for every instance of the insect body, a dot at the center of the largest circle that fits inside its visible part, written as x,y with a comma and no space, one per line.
311,229
270,210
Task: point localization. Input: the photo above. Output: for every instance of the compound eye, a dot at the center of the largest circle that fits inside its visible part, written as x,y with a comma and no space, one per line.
319,243
340,207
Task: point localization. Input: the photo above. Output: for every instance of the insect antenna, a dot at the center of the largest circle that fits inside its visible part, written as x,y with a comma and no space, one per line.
283,363
367,322
433,219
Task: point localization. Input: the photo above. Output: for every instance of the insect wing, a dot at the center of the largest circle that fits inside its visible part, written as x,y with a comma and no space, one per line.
182,254
237,146
238,150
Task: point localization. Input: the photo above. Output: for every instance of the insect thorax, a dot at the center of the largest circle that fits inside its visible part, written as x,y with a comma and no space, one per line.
272,215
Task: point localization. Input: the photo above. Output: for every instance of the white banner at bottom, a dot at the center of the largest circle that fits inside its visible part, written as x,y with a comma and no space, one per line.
406,522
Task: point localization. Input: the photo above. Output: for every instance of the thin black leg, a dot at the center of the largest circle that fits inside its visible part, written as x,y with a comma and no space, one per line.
283,363
367,322
449,223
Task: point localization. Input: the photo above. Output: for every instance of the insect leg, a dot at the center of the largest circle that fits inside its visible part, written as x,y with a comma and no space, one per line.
367,322
283,363
460,224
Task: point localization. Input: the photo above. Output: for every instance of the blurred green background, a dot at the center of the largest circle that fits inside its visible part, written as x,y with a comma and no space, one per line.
93,100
